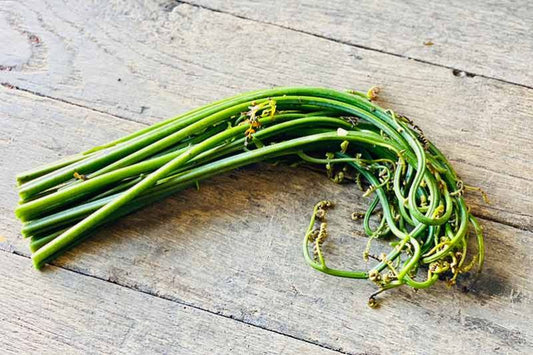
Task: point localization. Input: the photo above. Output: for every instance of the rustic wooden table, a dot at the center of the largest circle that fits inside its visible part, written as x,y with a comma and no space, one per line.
220,270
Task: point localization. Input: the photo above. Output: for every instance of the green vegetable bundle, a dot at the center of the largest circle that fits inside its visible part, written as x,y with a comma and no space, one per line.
385,154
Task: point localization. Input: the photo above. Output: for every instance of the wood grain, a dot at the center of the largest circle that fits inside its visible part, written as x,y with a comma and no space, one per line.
58,311
490,38
145,61
233,248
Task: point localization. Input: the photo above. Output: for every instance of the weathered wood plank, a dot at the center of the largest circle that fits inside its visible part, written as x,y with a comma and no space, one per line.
234,248
491,38
59,311
170,60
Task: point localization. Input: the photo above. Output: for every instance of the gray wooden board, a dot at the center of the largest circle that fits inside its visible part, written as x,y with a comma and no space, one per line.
171,61
491,38
233,248
58,311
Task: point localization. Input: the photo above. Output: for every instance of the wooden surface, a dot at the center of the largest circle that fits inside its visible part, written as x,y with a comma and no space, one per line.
488,38
83,73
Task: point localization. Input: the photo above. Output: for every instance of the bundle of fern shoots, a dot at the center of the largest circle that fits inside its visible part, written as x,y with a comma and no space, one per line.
411,183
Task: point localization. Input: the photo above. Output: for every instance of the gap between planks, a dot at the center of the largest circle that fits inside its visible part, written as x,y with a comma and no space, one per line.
468,74
177,301
38,94
485,217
